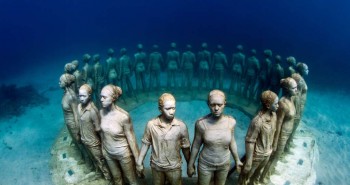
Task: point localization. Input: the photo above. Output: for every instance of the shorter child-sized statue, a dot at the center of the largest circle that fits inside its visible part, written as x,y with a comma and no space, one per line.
259,139
215,132
89,121
167,135
119,146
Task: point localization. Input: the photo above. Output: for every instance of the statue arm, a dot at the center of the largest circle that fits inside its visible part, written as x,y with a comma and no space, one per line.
250,140
96,121
234,152
130,136
280,118
197,142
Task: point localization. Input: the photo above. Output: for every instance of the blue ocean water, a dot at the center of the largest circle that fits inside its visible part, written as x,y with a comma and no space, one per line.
40,36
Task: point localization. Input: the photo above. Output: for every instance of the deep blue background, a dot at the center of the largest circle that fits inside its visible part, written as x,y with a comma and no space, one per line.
38,32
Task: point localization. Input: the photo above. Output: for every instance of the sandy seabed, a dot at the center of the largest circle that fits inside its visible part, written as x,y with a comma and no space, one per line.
26,140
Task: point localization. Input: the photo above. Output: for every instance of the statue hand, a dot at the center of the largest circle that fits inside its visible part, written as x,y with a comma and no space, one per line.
191,171
239,166
246,168
139,171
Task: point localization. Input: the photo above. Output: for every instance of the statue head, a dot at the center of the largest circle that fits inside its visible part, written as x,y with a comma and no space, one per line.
69,68
96,58
204,45
86,58
299,79
110,52
219,47
85,92
239,48
216,102
109,94
267,53
189,47
278,59
291,61
269,100
123,51
253,52
75,63
289,86
139,47
66,80
155,47
173,45
166,105
303,69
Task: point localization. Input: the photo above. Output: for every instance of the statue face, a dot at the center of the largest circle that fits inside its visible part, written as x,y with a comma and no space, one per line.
84,96
306,71
106,98
293,88
274,106
62,83
168,109
217,105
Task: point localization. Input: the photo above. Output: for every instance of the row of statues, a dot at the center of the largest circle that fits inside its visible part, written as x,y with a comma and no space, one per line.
248,76
106,137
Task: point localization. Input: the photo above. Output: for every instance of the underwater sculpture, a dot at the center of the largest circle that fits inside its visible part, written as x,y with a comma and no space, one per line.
188,61
89,122
119,146
204,59
70,112
215,132
285,122
259,139
111,68
87,70
236,67
219,64
98,77
250,75
277,73
140,68
303,70
264,72
173,63
167,135
125,72
78,76
154,66
291,66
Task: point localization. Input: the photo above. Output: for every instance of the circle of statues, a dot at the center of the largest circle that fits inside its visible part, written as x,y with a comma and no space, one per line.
104,133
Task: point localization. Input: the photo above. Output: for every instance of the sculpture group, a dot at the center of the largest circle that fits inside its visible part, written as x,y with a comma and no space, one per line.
104,134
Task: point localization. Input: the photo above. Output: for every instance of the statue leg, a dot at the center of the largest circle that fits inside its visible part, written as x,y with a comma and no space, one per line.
158,177
220,174
128,167
114,168
100,161
205,174
174,177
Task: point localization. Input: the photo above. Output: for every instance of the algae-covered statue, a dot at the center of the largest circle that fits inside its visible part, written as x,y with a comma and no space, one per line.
97,76
285,122
119,146
125,71
140,68
78,75
291,66
87,70
111,68
173,63
219,64
251,74
154,66
259,139
70,112
167,135
215,132
265,72
237,64
89,122
277,73
187,65
204,62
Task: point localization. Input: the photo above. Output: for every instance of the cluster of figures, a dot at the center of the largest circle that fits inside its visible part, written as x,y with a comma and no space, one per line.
107,142
248,76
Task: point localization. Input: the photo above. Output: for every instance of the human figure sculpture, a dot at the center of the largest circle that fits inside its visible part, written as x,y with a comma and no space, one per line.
285,123
264,73
259,139
236,67
87,70
111,68
277,73
303,70
215,132
140,68
154,65
69,68
187,64
98,77
291,66
173,63
125,72
204,59
251,74
119,146
70,112
78,75
167,135
219,64
89,122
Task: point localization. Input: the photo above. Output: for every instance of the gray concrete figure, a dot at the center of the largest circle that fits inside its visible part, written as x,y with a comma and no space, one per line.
204,62
167,135
264,73
111,68
259,139
140,68
87,70
237,68
119,146
251,74
215,132
188,61
291,66
173,63
277,73
125,72
78,75
154,67
98,78
218,66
